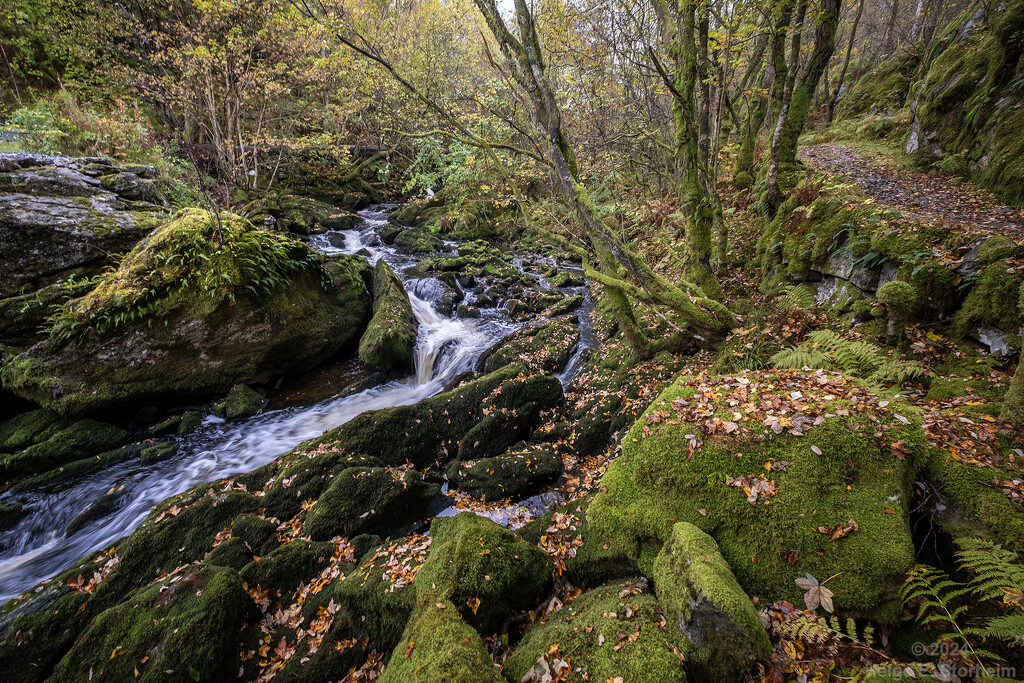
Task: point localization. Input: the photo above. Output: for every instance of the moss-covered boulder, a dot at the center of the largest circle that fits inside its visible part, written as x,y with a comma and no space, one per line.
543,348
370,500
81,439
515,475
183,628
390,337
377,598
417,241
439,647
194,309
613,631
241,401
791,473
433,430
286,567
486,570
722,635
29,428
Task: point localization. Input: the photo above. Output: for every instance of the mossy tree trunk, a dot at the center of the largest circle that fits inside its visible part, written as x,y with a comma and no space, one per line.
769,79
623,272
834,99
684,26
826,24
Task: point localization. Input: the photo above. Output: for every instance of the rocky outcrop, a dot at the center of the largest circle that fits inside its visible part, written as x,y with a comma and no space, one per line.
160,328
64,215
967,114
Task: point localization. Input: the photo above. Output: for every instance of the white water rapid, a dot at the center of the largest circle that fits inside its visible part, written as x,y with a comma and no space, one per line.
39,546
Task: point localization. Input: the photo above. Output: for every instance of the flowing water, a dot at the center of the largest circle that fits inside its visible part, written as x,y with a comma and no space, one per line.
39,546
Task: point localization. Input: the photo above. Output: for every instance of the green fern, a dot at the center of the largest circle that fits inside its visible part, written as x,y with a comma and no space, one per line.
936,597
997,576
795,298
826,350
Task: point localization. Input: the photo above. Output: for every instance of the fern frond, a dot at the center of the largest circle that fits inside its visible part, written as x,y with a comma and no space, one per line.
795,298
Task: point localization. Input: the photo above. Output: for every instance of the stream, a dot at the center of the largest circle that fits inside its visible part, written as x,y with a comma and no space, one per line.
39,546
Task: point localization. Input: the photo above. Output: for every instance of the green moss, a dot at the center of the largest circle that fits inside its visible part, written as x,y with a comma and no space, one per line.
973,508
28,428
543,348
242,401
466,550
187,322
722,634
390,337
82,439
370,606
417,241
183,627
653,484
898,296
364,500
966,106
587,632
159,546
437,646
514,475
288,566
417,433
991,302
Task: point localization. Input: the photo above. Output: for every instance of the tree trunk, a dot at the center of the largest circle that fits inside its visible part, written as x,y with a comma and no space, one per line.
800,104
846,64
889,37
622,272
772,74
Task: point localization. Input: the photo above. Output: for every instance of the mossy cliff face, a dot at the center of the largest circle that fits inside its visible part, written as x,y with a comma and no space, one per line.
186,314
390,337
966,111
789,473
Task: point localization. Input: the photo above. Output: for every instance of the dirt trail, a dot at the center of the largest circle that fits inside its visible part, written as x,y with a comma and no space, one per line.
939,198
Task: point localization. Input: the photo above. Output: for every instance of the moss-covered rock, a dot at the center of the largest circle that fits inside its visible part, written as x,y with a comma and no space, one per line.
970,506
182,628
28,428
187,315
433,430
515,475
472,558
966,112
43,238
543,348
286,567
81,439
417,241
390,338
775,489
438,646
370,500
614,630
722,635
241,401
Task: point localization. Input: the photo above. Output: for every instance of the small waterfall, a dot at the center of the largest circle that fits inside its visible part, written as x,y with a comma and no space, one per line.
38,547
